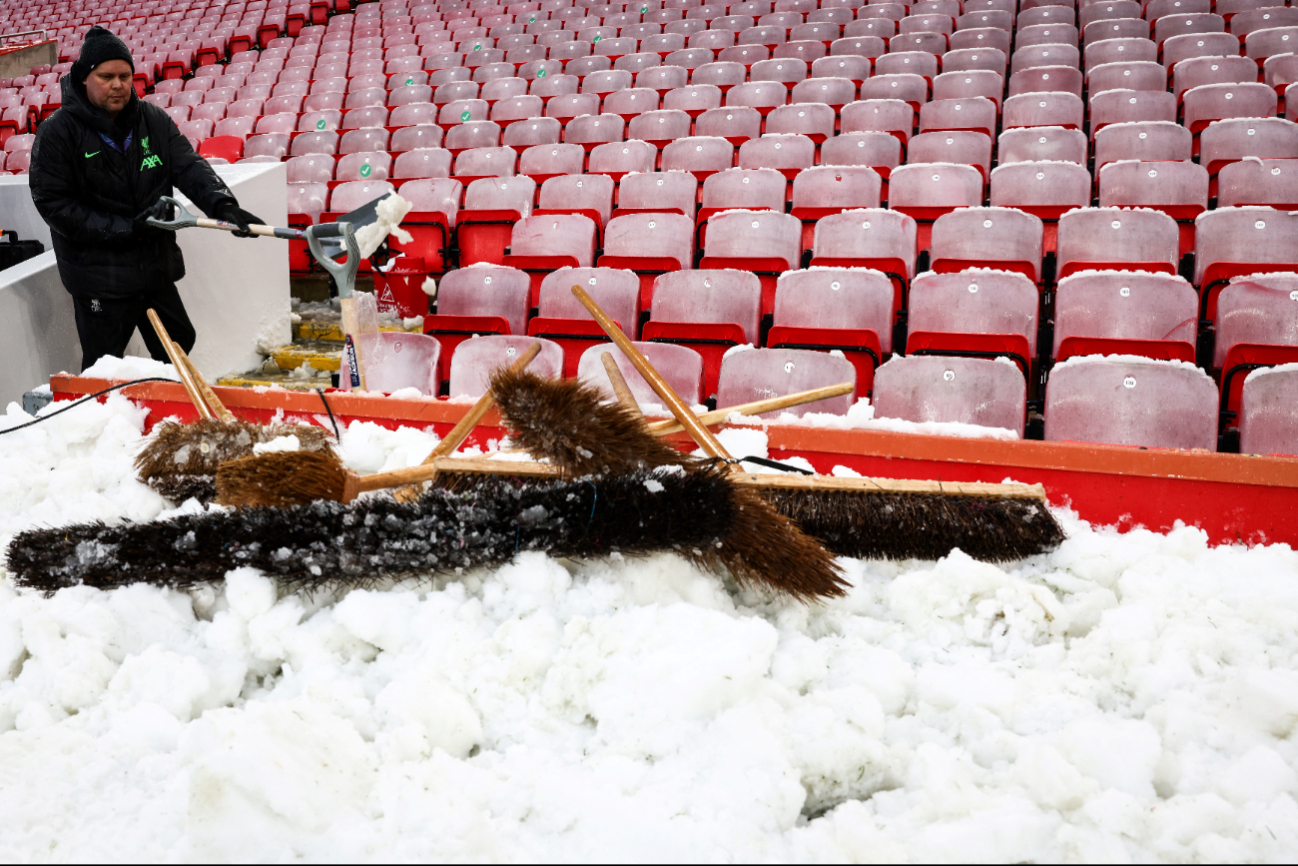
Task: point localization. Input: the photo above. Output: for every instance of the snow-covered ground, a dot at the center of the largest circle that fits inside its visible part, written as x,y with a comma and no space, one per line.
1128,697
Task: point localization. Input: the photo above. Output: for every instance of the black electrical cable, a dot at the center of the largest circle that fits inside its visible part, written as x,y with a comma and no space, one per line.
332,420
87,398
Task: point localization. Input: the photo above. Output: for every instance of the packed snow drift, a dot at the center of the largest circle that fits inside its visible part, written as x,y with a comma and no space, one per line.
1128,697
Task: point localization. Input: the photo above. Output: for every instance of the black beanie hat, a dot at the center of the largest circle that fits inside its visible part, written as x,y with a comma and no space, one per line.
100,46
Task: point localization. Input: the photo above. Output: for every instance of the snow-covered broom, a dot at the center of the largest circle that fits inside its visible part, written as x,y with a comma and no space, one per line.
181,460
328,545
860,517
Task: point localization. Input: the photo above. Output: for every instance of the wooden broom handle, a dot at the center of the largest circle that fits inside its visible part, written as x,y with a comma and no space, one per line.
172,349
702,435
205,389
620,387
461,431
757,407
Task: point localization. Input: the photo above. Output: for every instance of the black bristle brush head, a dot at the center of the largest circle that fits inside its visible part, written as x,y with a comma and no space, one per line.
567,422
199,448
899,526
329,546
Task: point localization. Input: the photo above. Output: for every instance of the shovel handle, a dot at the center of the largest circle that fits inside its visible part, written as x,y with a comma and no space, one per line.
256,229
181,370
618,381
702,435
757,407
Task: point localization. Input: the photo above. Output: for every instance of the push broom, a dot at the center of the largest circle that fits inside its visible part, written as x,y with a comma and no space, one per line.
876,517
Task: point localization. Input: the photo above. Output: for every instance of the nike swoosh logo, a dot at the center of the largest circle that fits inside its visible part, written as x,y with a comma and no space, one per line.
96,153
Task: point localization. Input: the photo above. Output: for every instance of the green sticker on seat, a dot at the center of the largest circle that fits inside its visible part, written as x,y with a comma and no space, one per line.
532,20
644,9
478,47
465,116
320,124
365,170
597,37
409,81
540,73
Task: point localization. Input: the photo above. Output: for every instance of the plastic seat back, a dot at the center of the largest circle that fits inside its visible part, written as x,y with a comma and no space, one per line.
878,150
1148,141
957,147
1117,239
349,196
764,373
837,298
657,241
1179,189
701,155
307,198
926,191
1131,106
1271,182
925,389
826,189
486,290
975,301
394,360
1131,401
1267,421
1234,241
1259,311
787,154
666,192
1226,141
476,359
681,366
532,132
1044,189
754,236
616,291
893,116
1125,305
1045,143
709,296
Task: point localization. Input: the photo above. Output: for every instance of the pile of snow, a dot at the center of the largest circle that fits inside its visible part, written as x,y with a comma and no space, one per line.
1125,697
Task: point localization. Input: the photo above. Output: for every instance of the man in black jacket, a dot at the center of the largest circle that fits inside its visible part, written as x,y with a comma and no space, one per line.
99,165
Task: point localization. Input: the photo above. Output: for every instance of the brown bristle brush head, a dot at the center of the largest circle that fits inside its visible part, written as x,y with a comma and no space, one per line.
281,479
765,548
567,422
199,448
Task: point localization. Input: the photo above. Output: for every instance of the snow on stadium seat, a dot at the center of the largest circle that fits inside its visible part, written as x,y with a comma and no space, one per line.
849,310
594,129
925,191
503,88
992,237
475,133
563,319
1125,313
565,107
631,102
605,82
1041,144
309,142
832,92
983,391
734,188
957,147
512,109
681,366
1127,75
482,299
1227,141
877,150
827,189
361,118
909,88
588,194
1057,108
925,43
700,155
1269,182
1131,401
764,242
1044,189
1266,418
1131,106
965,86
532,132
693,99
491,207
584,66
310,169
1047,34
275,144
783,69
545,161
1196,71
893,116
1150,141
1238,241
707,310
1117,239
480,162
974,60
975,312
884,240
981,37
356,140
976,114
1186,24
787,154
762,373
540,244
663,78
765,96
477,358
618,158
657,192
813,121
1179,48
416,138
1115,48
865,28
735,124
659,128
649,243
1178,189
1209,102
998,18
638,62
395,360
423,162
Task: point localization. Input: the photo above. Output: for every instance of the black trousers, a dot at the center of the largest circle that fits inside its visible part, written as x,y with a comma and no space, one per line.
105,325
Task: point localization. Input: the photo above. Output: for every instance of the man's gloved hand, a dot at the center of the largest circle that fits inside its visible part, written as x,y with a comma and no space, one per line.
161,210
232,213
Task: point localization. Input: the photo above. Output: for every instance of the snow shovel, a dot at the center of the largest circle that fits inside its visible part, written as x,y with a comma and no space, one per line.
326,241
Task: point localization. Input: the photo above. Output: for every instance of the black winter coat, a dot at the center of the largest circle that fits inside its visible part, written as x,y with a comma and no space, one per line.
90,194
